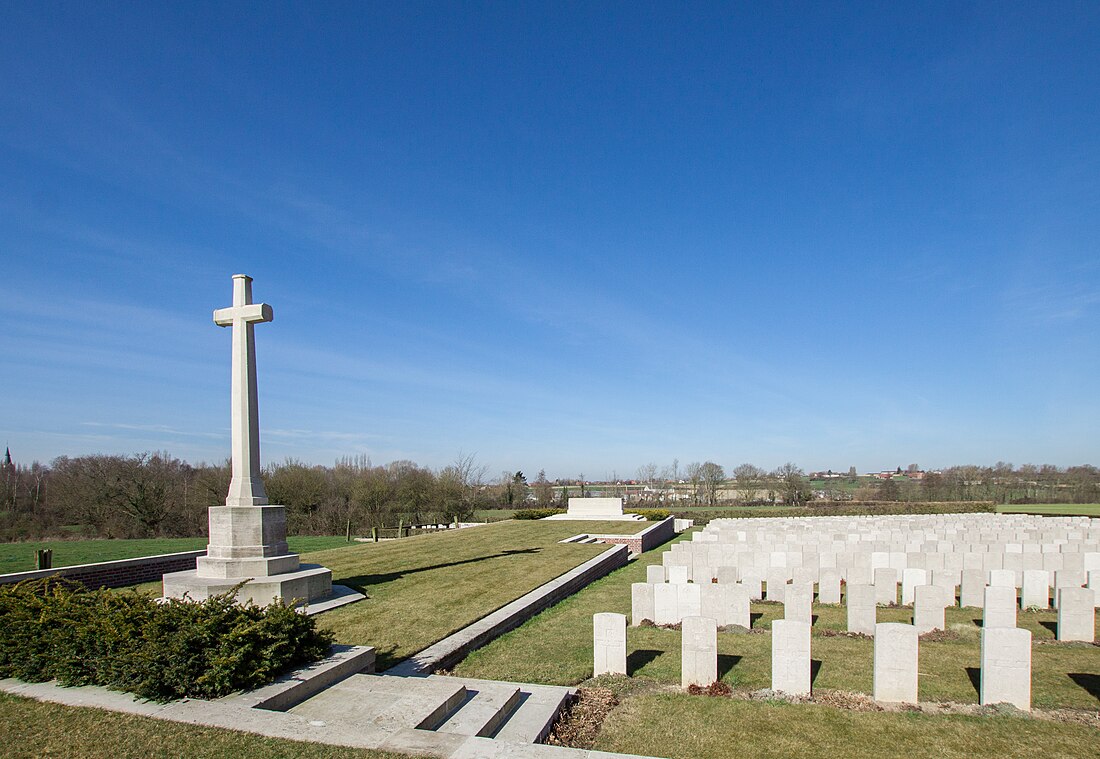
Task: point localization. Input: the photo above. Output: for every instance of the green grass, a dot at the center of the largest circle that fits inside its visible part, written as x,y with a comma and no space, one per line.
35,729
686,727
19,557
423,588
1053,509
493,515
555,647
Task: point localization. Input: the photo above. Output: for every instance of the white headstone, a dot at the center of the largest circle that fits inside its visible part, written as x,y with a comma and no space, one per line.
895,675
860,601
609,643
791,657
641,603
1076,614
1006,667
699,651
999,609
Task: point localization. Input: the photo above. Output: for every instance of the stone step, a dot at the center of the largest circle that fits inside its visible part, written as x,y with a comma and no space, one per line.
485,709
388,702
534,712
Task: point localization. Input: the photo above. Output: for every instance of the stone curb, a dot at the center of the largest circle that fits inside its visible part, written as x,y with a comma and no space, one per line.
456,646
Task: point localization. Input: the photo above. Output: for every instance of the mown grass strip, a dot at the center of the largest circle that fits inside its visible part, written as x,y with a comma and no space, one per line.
19,557
35,729
687,727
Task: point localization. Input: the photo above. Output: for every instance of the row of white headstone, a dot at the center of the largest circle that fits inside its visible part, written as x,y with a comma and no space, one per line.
854,547
1005,658
669,603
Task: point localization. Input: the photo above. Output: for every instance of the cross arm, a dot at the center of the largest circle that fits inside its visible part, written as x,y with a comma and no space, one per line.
253,312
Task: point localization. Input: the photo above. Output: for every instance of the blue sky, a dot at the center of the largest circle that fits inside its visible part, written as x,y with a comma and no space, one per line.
572,236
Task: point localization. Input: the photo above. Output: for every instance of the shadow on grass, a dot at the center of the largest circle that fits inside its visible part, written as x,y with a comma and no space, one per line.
726,662
753,616
639,658
360,582
1052,626
384,658
975,675
1089,681
813,620
815,667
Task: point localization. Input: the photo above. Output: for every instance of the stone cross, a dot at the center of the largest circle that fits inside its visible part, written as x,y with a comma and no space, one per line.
246,488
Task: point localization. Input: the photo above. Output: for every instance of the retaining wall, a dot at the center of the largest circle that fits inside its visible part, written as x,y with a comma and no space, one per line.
650,537
114,574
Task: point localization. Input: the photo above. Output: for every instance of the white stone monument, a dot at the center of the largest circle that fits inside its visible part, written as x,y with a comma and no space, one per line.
597,509
641,603
247,535
791,657
895,676
862,612
608,644
1076,616
1006,667
699,651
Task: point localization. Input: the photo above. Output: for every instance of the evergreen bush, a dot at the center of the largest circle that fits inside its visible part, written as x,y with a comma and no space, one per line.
56,629
536,513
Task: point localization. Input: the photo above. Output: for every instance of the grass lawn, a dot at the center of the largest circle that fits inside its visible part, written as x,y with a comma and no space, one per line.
423,588
34,729
19,557
687,727
1053,509
555,647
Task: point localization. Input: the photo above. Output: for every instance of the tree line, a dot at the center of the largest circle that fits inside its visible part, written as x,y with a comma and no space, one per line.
158,495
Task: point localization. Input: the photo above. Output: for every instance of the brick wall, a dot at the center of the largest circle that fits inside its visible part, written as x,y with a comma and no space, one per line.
650,537
115,574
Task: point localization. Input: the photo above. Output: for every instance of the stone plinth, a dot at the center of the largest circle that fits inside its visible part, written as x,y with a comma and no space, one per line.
791,657
699,651
1006,667
895,677
609,644
309,583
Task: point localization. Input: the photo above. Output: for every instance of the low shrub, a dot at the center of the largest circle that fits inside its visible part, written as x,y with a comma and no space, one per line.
55,629
536,513
653,515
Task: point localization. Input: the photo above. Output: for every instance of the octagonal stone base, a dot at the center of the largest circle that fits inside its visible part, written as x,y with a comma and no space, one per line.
308,584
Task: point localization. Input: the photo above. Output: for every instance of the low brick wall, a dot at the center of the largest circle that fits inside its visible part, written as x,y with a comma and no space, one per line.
650,537
114,574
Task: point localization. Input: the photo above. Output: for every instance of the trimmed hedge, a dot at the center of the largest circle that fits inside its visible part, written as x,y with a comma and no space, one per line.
536,513
652,515
842,508
56,629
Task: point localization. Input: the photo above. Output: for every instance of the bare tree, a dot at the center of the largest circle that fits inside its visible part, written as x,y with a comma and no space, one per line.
711,476
749,478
